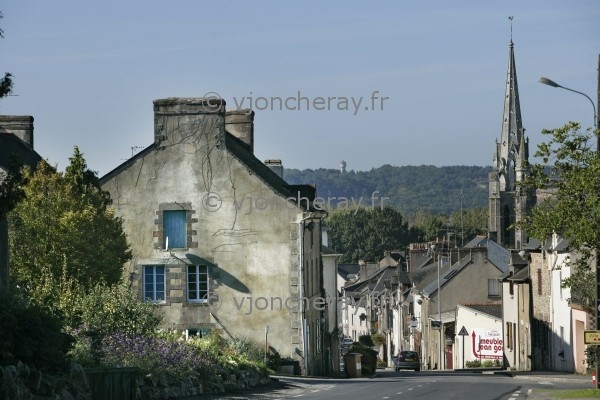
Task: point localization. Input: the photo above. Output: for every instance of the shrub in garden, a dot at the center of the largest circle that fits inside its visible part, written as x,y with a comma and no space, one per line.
366,340
368,360
30,333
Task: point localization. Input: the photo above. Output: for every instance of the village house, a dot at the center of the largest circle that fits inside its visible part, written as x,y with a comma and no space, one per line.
220,241
16,151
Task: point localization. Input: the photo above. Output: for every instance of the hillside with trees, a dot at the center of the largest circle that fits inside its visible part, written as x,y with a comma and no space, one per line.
436,190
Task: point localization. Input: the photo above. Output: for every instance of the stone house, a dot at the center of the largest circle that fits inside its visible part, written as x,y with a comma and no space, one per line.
470,274
219,239
16,151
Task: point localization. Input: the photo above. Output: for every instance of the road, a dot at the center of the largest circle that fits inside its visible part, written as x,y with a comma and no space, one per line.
406,385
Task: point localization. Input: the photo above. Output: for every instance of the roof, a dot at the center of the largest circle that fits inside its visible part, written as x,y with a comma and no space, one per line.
491,309
521,275
15,153
328,251
496,254
348,269
242,152
446,275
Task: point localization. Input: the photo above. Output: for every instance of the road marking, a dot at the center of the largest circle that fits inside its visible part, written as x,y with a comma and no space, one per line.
410,388
419,385
386,397
315,391
545,383
399,393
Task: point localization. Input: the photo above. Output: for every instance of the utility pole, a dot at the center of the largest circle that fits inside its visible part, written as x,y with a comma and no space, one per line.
597,132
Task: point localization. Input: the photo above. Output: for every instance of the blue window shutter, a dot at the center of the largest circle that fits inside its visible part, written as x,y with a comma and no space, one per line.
175,228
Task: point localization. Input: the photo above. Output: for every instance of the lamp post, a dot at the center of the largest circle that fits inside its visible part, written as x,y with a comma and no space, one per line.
550,82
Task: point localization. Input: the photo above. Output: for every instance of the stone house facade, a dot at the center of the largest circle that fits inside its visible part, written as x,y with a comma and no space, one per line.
219,239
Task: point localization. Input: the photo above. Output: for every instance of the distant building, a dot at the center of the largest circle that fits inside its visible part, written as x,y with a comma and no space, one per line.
509,203
343,167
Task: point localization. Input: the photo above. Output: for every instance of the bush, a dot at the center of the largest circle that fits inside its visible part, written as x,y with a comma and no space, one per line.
381,363
366,340
31,333
473,364
378,339
368,360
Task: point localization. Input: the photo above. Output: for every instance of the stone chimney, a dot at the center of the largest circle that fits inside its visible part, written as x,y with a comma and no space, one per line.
190,120
276,166
240,123
19,125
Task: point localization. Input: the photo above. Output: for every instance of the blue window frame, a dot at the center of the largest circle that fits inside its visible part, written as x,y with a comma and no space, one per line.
154,283
175,229
197,283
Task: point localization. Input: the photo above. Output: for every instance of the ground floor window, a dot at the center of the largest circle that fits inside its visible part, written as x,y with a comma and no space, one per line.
197,283
154,283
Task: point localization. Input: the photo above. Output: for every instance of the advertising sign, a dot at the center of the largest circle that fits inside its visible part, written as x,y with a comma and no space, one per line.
487,344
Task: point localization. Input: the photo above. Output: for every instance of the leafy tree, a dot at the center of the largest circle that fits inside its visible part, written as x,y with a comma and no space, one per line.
63,236
6,83
366,233
570,174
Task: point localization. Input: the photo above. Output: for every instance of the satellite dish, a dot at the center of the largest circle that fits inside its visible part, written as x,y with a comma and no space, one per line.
166,243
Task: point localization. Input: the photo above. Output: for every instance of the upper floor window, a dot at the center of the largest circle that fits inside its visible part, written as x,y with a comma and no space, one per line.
197,283
175,229
154,283
493,288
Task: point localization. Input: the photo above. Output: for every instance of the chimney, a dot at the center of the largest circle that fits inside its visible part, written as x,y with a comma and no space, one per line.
275,166
187,119
19,125
240,123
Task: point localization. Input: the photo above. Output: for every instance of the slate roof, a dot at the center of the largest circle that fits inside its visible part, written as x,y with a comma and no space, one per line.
15,153
325,250
446,275
494,310
496,254
348,269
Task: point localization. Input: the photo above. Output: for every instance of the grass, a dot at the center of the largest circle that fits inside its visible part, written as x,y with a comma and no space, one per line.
573,394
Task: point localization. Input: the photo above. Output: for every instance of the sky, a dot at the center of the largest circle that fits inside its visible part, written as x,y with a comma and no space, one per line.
423,82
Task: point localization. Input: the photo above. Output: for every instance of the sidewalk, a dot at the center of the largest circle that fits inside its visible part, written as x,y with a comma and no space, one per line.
545,376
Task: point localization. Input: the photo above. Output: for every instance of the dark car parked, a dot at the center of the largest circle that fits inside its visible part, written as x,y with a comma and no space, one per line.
407,360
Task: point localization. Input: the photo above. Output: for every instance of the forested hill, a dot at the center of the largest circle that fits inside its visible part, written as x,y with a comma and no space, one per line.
409,188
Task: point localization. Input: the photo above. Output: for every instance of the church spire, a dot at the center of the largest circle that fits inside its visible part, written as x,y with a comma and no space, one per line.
508,202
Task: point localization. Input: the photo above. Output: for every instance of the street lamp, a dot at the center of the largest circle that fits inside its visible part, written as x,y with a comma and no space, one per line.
550,82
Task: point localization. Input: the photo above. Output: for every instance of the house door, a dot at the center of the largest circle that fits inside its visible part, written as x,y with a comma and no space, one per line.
449,357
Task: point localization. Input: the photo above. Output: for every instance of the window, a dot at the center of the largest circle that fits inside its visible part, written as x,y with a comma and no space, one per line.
154,283
175,229
197,283
510,344
539,279
493,288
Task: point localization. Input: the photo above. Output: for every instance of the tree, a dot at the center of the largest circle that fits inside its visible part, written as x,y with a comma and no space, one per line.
6,83
64,238
570,173
366,233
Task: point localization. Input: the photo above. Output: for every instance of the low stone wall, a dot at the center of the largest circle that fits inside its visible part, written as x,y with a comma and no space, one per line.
19,382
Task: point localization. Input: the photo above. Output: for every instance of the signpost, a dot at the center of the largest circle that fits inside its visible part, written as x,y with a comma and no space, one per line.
463,332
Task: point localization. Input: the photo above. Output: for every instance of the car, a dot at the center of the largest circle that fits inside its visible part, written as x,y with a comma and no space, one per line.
347,342
407,360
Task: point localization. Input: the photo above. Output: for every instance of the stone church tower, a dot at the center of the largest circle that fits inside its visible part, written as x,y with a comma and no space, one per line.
508,203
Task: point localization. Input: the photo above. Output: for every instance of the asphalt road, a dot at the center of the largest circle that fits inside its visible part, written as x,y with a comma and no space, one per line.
405,385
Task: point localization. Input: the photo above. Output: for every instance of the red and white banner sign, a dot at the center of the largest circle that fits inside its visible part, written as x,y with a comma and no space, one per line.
487,344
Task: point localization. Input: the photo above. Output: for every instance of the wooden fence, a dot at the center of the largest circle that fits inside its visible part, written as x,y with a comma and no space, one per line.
112,383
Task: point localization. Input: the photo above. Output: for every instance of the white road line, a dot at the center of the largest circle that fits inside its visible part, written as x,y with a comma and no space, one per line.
419,385
410,388
386,397
399,393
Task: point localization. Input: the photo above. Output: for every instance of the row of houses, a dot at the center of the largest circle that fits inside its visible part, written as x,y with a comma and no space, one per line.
457,306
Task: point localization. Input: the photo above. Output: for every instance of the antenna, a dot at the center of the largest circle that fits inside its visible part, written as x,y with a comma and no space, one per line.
511,19
134,148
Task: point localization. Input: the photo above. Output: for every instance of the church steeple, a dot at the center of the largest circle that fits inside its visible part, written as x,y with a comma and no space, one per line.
508,202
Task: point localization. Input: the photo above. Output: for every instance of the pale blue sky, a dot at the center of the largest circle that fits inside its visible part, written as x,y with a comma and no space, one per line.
88,72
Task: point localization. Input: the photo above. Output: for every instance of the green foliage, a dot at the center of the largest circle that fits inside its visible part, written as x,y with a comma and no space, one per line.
570,175
30,333
409,188
109,310
366,233
366,340
381,363
6,83
378,339
63,237
473,364
368,360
